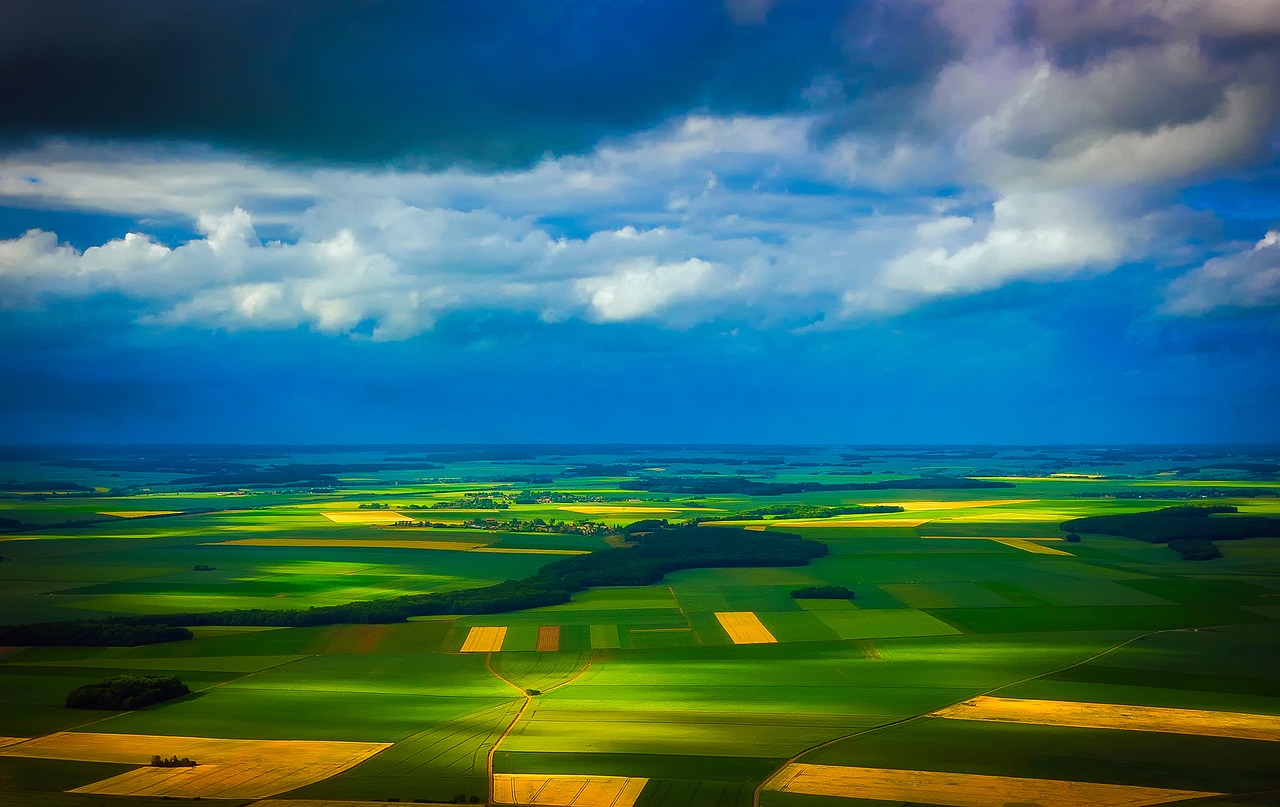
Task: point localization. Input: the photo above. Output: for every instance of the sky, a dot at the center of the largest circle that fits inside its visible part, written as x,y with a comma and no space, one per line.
787,221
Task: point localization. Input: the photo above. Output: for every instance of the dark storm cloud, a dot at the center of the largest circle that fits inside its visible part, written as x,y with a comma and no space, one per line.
484,80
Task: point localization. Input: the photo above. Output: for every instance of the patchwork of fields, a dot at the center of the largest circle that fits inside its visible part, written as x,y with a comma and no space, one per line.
982,661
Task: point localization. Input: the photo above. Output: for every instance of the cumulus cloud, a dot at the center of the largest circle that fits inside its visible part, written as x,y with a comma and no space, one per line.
643,287
1038,144
1039,236
1249,278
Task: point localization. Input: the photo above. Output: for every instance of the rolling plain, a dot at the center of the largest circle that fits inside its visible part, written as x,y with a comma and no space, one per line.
987,656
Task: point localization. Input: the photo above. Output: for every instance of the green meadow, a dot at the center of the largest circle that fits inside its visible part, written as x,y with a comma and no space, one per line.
961,593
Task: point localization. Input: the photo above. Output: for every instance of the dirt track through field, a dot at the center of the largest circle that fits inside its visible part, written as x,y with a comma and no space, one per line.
744,627
965,789
1241,725
229,769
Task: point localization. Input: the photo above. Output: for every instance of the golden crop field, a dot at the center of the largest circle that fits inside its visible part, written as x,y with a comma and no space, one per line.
965,789
365,517
1117,716
567,791
232,769
744,627
484,640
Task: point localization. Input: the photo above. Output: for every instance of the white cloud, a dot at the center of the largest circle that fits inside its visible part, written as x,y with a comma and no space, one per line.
1031,236
1248,278
642,287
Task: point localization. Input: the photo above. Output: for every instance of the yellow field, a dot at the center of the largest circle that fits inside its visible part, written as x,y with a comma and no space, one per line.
228,769
744,627
836,521
140,513
960,505
965,789
12,740
376,543
366,517
567,791
1030,546
484,640
1117,716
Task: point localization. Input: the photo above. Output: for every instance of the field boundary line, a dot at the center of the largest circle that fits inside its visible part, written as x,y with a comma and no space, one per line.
683,615
755,798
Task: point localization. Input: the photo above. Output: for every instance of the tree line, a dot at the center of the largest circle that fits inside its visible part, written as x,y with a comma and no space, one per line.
647,560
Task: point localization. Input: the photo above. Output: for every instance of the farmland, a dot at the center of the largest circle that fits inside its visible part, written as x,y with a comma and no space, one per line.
986,655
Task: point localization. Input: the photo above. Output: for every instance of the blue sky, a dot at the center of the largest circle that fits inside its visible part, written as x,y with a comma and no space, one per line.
761,221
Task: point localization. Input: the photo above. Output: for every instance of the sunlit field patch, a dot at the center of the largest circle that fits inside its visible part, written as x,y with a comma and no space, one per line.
140,513
1116,716
744,627
965,789
484,640
236,769
567,791
373,543
957,505
365,517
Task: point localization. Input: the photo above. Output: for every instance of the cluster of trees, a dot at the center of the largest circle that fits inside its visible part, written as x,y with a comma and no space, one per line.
822,593
651,556
1182,522
750,487
158,761
1189,530
804,511
1195,548
125,692
92,633
204,567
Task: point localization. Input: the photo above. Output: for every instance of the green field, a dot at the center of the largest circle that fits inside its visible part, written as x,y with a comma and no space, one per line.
644,680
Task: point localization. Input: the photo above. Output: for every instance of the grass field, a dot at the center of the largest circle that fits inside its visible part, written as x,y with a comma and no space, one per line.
981,661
